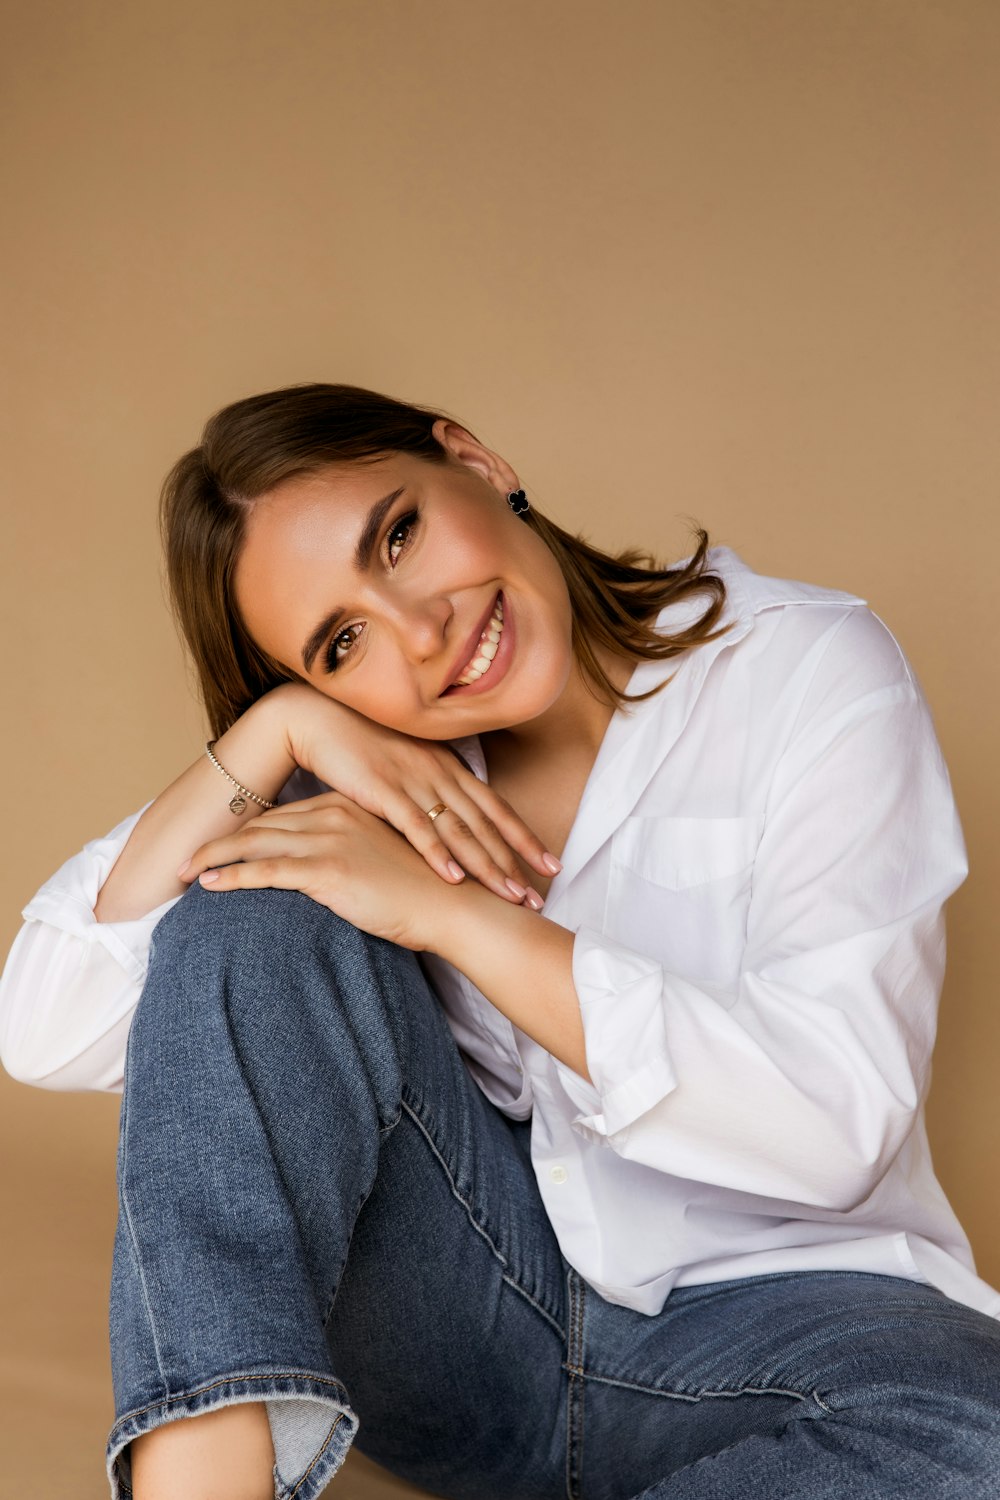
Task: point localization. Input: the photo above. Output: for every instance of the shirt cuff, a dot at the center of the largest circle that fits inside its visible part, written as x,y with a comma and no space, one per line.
625,1035
67,900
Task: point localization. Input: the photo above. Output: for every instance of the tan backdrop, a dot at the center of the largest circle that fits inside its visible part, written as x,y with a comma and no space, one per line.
727,259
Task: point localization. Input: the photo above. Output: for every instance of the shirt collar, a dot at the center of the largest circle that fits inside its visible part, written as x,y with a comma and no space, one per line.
626,761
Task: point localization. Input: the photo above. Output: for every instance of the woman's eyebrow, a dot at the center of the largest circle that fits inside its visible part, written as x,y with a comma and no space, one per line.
373,525
367,542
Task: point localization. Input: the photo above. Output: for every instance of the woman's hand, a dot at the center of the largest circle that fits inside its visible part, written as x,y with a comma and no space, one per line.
399,779
353,863
347,859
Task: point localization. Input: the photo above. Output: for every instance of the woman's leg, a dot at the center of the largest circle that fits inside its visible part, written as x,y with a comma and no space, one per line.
811,1386
221,1454
320,1212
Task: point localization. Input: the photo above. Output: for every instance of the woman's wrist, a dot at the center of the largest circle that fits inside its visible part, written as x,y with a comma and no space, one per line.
462,923
298,712
196,807
257,750
519,959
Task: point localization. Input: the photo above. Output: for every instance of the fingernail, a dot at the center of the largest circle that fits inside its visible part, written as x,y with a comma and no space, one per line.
455,870
519,891
183,867
551,863
208,877
535,901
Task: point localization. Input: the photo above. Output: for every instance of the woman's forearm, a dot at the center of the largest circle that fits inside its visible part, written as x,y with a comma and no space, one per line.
520,961
195,808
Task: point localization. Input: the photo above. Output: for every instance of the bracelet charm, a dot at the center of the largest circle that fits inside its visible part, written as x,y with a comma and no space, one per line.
238,801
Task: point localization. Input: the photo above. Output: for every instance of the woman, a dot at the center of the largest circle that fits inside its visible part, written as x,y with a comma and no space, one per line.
559,1072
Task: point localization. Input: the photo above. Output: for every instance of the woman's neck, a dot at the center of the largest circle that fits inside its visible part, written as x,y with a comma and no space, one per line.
574,725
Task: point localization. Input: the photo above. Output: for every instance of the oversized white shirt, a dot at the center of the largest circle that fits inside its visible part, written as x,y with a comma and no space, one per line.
755,879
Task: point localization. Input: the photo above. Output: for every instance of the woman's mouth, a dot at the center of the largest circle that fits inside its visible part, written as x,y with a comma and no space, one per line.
488,663
482,657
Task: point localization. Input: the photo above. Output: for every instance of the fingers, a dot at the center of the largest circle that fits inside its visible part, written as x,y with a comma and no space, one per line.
328,813
438,839
283,872
510,828
318,803
258,843
479,833
479,848
422,832
485,845
406,787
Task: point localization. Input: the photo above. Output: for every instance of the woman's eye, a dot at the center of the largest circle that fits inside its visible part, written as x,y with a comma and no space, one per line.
404,527
397,540
334,655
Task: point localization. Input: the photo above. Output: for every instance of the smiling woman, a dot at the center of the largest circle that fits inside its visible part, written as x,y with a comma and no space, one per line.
534,1045
346,484
413,606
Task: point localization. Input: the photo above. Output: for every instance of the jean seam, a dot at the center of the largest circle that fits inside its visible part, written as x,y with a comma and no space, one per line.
708,1393
273,1375
133,1238
708,1458
200,1390
326,1443
575,1393
507,1276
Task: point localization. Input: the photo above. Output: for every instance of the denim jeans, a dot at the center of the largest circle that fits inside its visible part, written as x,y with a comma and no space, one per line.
320,1210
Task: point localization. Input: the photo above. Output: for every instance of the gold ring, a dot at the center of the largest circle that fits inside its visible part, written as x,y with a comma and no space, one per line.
437,810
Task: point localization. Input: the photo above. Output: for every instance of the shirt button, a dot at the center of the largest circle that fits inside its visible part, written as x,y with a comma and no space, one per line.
559,1174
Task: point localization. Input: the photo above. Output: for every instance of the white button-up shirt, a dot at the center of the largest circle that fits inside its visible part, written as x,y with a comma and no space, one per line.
755,879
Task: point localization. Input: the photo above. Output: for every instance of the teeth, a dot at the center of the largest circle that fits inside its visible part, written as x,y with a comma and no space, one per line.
486,649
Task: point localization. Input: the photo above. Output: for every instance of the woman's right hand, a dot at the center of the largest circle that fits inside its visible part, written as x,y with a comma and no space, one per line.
395,777
400,778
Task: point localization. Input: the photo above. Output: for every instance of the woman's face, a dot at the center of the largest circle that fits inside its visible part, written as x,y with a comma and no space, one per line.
380,599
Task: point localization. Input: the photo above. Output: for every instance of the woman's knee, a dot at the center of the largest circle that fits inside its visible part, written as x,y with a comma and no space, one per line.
274,985
270,959
222,919
262,932
931,1384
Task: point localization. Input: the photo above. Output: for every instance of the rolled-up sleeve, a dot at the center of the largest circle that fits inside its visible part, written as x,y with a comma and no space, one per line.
71,984
802,1083
621,997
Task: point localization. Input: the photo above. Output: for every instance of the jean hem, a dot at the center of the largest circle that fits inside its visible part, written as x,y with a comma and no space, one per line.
228,1390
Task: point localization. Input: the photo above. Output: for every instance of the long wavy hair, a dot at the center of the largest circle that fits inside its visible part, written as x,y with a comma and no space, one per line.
252,445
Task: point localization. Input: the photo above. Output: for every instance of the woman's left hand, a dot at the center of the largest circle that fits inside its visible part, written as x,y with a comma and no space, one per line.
342,856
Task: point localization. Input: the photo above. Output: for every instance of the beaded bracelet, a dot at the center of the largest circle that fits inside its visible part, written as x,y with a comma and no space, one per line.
237,803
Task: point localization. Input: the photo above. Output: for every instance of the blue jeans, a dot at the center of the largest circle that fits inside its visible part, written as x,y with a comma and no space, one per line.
320,1210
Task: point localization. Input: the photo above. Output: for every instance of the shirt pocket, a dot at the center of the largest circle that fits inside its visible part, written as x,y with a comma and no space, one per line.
680,892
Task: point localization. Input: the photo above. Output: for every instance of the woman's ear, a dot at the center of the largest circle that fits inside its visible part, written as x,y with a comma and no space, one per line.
461,445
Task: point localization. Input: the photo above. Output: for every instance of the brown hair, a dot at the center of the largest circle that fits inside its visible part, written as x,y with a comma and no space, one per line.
250,446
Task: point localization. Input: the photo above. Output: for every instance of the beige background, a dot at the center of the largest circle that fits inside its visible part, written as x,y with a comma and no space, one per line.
727,259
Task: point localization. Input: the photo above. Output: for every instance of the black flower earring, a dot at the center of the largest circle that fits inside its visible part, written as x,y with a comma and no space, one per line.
518,502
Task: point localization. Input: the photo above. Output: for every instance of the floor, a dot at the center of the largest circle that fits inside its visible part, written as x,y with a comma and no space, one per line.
59,1213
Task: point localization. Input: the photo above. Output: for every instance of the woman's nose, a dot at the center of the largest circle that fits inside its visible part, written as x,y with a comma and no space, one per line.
423,628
